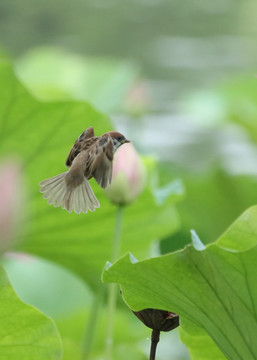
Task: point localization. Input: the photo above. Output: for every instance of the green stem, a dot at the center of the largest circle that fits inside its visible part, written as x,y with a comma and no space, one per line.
92,324
117,234
112,288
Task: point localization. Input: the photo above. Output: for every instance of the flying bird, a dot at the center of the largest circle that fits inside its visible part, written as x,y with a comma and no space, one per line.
90,156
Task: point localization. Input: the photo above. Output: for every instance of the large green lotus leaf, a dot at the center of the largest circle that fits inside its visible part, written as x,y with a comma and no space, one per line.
242,234
41,135
199,343
25,333
215,288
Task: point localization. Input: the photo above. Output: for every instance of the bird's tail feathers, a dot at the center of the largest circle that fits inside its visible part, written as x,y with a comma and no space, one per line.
80,198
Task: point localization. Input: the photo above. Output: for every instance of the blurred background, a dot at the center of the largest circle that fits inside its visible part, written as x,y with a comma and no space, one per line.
178,78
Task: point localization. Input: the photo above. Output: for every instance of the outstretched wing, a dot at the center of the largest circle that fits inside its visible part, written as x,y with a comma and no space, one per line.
100,161
80,144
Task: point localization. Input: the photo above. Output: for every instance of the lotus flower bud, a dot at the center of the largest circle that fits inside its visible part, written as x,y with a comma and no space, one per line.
9,202
160,320
129,176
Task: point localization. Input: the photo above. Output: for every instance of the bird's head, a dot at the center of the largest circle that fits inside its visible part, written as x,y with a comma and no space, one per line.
118,139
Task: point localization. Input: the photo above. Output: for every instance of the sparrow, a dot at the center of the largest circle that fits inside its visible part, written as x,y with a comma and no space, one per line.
90,156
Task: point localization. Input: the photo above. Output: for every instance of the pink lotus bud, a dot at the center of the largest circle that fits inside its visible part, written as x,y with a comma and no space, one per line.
10,201
129,176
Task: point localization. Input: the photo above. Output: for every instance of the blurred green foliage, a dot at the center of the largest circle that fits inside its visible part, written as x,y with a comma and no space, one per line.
213,201
39,135
54,74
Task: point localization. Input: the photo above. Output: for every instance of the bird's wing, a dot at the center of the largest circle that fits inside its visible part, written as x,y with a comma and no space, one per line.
100,160
80,144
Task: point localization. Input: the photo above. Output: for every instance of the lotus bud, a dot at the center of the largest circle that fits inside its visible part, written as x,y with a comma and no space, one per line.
159,320
10,201
129,176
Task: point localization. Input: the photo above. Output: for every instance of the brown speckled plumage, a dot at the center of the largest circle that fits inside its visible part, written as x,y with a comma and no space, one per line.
90,156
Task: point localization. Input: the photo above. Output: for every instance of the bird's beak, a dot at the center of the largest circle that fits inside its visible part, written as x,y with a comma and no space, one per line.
126,141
